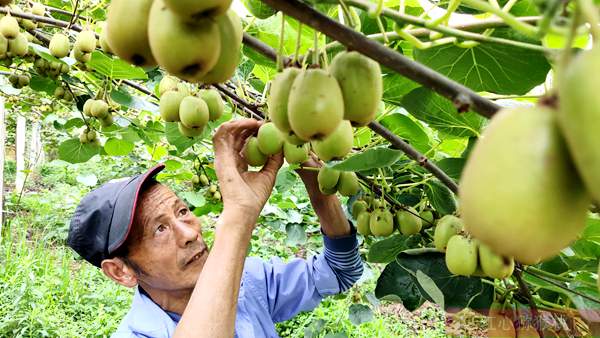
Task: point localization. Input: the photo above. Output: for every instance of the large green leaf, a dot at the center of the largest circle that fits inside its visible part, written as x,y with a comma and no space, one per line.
42,84
395,86
452,166
588,245
488,67
115,68
386,250
399,280
441,114
177,139
370,159
73,151
360,313
440,197
118,147
407,129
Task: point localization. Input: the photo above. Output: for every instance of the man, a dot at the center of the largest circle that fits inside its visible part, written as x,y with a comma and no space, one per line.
141,235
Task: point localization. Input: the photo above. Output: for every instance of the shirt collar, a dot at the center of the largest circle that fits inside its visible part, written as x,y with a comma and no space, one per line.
146,317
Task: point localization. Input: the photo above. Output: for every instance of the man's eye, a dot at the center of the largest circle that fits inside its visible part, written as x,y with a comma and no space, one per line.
161,228
183,211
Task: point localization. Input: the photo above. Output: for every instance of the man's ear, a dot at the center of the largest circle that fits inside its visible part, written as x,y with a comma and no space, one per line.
118,271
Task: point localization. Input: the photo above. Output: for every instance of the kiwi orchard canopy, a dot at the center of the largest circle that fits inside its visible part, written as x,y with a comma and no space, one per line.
391,101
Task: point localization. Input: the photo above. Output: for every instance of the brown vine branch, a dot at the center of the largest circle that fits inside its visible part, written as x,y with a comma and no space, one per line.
414,154
463,97
39,18
524,290
264,49
64,12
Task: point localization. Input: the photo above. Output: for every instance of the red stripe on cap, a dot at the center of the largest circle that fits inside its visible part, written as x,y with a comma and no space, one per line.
148,174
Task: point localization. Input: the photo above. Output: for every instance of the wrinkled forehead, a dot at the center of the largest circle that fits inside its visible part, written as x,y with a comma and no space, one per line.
154,200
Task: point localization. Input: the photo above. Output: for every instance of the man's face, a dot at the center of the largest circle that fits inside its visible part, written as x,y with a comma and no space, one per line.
166,241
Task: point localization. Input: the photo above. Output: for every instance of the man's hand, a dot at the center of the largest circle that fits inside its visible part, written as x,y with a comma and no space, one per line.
242,190
327,207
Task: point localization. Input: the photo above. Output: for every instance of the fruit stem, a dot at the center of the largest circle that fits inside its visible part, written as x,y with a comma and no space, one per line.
347,14
524,290
510,20
316,47
590,13
298,42
382,30
566,54
309,168
280,64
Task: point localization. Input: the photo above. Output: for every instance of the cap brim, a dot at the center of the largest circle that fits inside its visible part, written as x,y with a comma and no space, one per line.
124,211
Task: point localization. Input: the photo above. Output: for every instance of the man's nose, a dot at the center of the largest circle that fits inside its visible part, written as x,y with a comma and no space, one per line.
185,233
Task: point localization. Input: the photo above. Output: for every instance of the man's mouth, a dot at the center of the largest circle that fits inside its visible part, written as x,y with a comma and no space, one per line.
196,257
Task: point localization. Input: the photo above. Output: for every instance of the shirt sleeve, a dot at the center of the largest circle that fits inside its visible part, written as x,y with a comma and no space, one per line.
300,285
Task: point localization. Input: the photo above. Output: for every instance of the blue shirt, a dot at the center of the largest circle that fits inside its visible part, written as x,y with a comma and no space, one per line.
270,291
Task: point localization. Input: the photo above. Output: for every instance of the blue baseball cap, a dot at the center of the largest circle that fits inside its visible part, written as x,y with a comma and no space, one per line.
104,217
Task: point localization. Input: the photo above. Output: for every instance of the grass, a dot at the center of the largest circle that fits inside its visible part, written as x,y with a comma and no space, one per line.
46,291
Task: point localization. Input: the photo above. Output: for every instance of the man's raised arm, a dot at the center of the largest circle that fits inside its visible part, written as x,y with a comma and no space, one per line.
211,310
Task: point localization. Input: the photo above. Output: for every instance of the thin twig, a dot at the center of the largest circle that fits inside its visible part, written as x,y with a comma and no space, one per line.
524,290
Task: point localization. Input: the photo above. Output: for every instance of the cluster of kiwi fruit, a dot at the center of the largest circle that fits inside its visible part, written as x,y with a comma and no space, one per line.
62,93
321,106
197,41
51,69
315,108
13,42
465,255
191,110
19,80
100,110
530,180
85,44
88,135
374,217
200,180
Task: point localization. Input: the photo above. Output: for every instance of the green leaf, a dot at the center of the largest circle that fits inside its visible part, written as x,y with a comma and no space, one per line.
76,122
589,309
295,234
488,67
441,114
124,98
452,166
194,198
360,313
588,245
175,138
172,165
440,197
115,68
370,159
73,151
431,288
362,137
386,250
117,147
399,280
408,130
395,87
42,84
